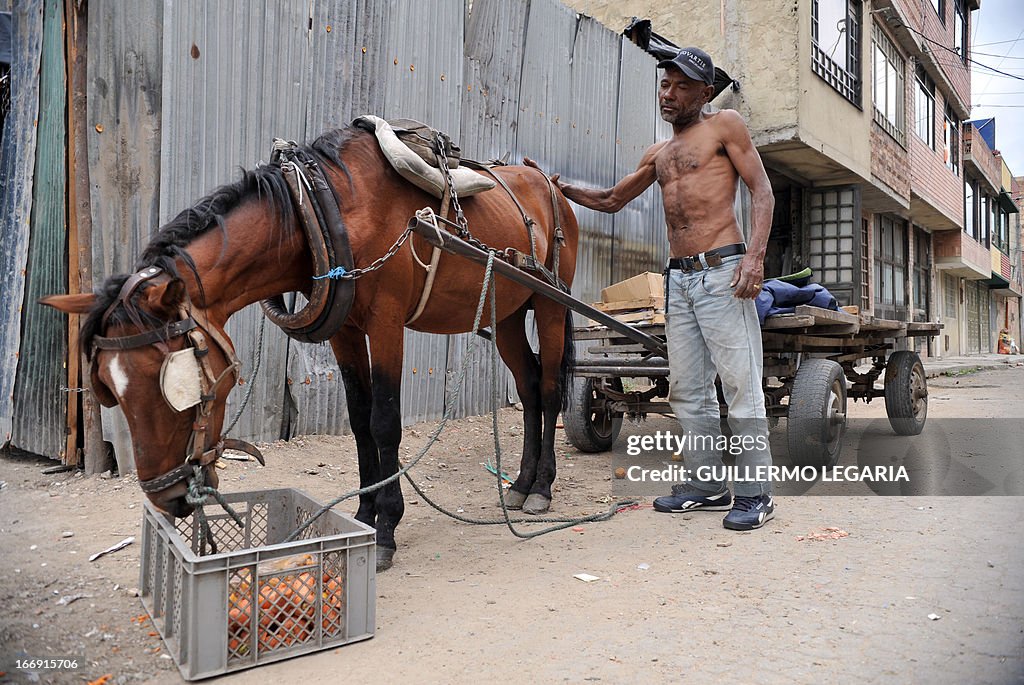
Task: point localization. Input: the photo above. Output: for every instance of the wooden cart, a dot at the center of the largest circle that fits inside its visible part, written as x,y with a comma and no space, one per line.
814,361
812,365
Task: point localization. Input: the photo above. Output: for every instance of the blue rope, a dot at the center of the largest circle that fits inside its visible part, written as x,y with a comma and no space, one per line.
336,272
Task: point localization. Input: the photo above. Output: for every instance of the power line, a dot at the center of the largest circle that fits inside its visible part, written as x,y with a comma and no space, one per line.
998,42
992,54
968,59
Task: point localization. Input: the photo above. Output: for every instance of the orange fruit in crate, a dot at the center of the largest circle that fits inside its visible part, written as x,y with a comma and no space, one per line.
270,598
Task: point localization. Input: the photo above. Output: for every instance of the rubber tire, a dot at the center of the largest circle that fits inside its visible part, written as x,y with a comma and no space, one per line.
819,390
578,418
907,414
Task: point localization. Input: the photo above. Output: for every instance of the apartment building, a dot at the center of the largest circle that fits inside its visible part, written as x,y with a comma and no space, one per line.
1006,284
857,108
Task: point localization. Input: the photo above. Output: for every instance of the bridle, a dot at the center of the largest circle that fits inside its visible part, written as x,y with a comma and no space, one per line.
196,328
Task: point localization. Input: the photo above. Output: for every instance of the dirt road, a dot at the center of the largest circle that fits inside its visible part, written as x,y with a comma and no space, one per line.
922,589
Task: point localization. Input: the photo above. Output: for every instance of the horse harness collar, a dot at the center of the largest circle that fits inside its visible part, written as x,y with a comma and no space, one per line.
195,327
317,203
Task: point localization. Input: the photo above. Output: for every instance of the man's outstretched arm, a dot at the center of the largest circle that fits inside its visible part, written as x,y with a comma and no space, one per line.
615,198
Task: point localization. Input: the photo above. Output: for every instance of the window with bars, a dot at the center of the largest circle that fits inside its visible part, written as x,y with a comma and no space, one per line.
831,231
888,67
890,264
951,140
865,265
924,108
835,45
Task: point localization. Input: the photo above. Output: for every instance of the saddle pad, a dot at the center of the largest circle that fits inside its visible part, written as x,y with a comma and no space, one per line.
413,169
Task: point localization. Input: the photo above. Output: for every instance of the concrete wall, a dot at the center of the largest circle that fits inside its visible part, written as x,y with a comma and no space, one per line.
829,122
922,16
767,67
931,179
977,152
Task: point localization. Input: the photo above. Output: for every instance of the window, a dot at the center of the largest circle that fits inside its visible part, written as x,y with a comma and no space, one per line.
940,9
924,108
922,273
951,141
991,228
949,285
1004,230
835,45
887,70
960,29
1001,230
970,208
831,231
890,263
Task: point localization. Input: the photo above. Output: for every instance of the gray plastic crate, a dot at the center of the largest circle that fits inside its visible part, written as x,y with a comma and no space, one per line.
257,600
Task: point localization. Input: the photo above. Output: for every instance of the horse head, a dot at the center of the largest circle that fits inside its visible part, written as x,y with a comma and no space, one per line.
168,367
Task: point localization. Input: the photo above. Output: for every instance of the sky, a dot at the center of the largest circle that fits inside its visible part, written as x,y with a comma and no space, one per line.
998,42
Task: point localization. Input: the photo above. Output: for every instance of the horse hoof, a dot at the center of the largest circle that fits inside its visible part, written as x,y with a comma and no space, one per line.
385,559
513,500
536,504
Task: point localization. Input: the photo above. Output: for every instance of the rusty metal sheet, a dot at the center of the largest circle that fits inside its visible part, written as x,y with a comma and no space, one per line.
17,167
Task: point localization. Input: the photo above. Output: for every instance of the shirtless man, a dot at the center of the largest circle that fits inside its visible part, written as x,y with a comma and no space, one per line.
712,278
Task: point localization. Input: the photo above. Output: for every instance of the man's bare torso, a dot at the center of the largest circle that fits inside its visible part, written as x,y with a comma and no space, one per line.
698,184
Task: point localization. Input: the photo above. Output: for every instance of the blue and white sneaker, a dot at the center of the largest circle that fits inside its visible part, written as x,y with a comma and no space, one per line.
749,513
685,498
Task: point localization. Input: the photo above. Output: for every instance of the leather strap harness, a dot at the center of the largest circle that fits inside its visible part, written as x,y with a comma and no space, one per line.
194,325
330,299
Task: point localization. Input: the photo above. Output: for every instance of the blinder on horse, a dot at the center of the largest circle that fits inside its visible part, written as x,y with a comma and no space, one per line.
186,377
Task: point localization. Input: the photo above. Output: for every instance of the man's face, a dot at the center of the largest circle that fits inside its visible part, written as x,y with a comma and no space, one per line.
681,97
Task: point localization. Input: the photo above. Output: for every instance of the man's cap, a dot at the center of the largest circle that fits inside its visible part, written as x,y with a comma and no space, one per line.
693,62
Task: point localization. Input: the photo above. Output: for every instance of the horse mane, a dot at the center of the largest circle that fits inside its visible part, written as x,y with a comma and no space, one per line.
264,183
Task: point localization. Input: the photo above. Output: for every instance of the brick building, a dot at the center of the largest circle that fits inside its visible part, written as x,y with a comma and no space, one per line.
857,108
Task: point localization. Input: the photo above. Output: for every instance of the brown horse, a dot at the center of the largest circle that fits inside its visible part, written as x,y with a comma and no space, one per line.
244,243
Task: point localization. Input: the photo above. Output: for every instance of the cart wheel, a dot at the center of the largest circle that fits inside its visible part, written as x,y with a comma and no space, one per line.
590,428
906,393
817,413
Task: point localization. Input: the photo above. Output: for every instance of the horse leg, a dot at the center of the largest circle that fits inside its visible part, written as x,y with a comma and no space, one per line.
515,351
349,347
554,329
386,347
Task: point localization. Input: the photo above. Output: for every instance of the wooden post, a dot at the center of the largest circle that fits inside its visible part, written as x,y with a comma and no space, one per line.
80,239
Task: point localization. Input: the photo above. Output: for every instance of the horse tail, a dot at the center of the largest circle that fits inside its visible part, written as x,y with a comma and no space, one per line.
565,370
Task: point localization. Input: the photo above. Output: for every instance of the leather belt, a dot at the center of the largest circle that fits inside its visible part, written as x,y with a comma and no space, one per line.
704,260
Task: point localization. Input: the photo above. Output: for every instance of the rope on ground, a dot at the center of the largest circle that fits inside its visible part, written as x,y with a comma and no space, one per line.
489,286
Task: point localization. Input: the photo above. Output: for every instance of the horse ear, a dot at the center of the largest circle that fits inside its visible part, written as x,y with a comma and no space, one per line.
165,298
70,304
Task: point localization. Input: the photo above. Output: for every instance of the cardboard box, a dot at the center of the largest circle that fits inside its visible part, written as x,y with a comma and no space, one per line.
646,285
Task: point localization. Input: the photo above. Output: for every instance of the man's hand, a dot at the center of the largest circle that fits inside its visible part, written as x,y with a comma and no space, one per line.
748,278
553,177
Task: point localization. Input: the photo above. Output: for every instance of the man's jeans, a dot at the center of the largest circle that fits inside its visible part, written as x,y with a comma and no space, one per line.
709,331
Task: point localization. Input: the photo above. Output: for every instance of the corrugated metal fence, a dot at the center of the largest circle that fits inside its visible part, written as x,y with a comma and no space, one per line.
183,93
